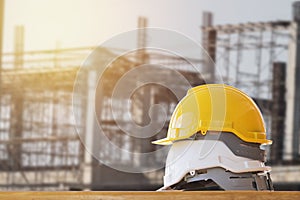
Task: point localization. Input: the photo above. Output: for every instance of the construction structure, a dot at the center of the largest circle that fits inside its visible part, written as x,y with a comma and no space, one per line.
41,150
40,147
247,55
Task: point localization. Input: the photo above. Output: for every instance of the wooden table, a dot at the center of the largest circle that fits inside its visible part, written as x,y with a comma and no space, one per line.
172,195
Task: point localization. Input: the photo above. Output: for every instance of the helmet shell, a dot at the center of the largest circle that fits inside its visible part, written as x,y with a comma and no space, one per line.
216,107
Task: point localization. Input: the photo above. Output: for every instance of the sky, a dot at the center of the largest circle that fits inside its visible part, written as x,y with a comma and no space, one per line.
75,23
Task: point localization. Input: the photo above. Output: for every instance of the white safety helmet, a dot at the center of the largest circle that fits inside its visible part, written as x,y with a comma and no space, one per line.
188,156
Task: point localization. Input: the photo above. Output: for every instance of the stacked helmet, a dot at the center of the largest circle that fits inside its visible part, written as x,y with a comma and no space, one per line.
216,133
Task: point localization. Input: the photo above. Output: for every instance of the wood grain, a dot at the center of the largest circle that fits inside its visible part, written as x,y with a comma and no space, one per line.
172,195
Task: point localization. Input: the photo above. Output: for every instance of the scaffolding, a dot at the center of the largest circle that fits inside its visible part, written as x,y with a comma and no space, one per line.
245,58
40,149
246,53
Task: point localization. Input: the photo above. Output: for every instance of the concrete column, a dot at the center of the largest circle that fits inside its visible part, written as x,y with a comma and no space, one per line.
278,112
1,36
19,47
89,128
209,40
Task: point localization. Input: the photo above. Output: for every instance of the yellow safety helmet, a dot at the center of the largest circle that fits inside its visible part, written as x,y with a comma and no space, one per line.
216,107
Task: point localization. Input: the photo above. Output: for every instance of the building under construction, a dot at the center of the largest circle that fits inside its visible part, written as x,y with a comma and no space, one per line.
41,150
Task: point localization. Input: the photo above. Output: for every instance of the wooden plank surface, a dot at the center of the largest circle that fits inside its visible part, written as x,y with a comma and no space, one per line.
172,195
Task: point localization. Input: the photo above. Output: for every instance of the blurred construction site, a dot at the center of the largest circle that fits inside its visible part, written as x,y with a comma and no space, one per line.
40,148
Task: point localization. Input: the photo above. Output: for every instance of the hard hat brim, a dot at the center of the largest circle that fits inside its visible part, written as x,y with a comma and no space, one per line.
167,141
164,141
